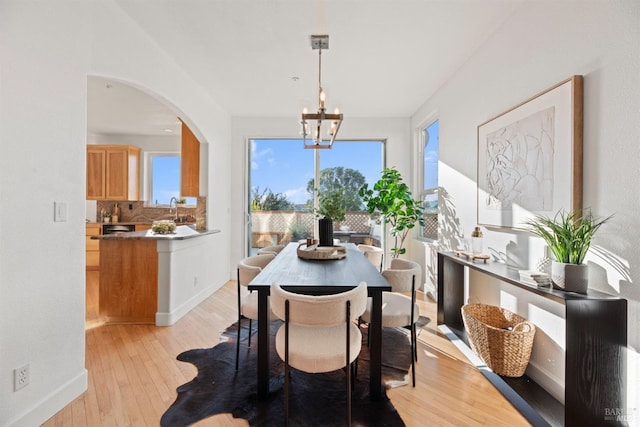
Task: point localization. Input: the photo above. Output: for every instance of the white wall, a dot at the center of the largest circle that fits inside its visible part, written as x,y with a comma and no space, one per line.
185,272
396,132
46,51
544,43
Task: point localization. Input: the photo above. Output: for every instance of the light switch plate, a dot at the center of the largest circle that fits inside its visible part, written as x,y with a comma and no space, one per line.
60,211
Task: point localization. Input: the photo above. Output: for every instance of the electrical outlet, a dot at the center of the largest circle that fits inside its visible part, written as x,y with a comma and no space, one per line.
21,377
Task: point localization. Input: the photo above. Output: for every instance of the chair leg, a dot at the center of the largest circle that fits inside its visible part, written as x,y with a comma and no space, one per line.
287,392
348,376
238,300
238,341
414,354
287,372
249,342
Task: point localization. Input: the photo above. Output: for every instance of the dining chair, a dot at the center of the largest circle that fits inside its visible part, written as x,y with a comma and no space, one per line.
399,310
374,254
274,249
247,269
318,334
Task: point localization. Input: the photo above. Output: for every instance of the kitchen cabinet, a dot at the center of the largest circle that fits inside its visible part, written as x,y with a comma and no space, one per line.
128,281
189,164
113,172
92,247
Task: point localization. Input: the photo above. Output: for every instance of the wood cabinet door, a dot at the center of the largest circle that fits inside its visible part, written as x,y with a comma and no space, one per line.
96,174
117,174
189,164
113,172
92,247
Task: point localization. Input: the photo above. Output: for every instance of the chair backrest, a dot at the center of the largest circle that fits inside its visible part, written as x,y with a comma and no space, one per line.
275,249
318,310
249,267
373,253
400,274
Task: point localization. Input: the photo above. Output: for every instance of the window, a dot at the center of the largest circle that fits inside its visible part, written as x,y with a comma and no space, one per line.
164,179
280,175
430,137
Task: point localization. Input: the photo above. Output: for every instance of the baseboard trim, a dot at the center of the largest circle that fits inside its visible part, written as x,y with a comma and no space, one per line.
168,319
49,406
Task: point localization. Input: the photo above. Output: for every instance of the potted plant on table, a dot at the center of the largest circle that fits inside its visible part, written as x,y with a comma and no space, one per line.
391,199
568,236
331,208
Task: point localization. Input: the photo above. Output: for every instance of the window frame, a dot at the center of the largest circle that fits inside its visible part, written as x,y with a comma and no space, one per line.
148,177
421,133
248,178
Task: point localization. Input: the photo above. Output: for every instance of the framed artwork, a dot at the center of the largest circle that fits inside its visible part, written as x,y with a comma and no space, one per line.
530,158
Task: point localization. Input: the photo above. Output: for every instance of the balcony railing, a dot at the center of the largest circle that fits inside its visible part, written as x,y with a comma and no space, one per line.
281,227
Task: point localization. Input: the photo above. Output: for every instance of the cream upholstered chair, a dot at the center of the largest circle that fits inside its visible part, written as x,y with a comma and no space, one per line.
399,310
319,334
374,254
275,249
248,268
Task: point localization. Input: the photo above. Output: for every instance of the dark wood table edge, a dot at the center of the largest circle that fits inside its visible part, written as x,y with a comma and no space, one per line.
375,346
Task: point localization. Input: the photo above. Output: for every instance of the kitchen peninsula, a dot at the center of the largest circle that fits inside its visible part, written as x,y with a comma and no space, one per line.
152,278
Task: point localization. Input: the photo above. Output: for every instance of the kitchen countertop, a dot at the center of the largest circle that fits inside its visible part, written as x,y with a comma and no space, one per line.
182,232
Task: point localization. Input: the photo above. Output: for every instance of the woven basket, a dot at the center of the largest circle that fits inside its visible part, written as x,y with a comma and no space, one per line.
502,339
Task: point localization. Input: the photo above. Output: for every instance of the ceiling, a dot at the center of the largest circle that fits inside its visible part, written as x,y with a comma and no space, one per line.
254,57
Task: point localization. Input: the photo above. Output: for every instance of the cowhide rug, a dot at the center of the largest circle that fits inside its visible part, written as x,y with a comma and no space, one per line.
316,399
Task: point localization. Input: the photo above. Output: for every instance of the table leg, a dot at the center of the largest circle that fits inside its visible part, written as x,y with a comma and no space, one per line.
375,347
263,344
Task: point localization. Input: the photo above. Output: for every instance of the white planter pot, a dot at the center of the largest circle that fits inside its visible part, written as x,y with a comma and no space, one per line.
570,277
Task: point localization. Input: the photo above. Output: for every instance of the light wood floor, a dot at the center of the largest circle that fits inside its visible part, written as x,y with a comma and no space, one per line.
133,373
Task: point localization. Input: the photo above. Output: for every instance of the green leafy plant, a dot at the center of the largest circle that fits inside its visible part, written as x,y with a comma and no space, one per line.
332,205
298,231
568,234
391,199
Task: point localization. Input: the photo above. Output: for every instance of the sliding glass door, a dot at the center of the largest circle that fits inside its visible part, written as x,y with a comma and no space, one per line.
282,179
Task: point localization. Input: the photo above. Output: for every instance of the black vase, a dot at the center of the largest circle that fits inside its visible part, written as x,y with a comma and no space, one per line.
325,229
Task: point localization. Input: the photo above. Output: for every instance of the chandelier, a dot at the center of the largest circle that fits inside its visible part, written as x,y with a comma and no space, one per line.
319,129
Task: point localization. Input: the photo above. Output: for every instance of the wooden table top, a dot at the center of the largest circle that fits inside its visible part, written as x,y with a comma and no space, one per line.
300,275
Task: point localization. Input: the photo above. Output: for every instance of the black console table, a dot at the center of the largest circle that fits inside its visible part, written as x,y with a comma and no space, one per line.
595,348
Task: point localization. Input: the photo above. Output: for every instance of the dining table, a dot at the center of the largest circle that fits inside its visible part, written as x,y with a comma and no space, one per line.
320,277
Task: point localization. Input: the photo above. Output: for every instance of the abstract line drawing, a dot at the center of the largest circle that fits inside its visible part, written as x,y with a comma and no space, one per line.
530,158
520,163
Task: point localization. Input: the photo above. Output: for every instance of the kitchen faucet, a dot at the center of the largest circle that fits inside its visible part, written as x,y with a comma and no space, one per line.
173,199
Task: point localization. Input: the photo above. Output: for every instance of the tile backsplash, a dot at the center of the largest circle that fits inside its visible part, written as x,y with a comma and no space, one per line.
136,211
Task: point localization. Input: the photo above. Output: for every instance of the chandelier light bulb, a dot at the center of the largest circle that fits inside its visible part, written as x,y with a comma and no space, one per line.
330,121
